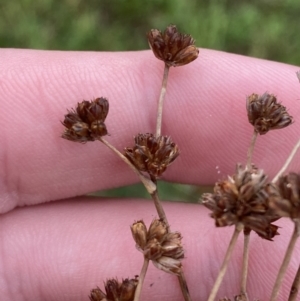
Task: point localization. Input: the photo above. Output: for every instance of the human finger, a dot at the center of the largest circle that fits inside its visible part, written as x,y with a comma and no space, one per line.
204,113
60,251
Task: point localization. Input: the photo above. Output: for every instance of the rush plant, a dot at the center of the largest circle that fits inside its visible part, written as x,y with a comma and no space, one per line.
247,200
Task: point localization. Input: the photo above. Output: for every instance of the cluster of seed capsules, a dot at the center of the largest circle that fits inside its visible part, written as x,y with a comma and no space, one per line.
246,197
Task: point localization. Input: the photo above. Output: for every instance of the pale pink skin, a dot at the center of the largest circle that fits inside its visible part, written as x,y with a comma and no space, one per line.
60,250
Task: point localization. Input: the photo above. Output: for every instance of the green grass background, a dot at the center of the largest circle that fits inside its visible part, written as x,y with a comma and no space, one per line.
268,29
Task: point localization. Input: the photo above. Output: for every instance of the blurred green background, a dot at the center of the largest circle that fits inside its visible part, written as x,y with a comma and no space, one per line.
267,29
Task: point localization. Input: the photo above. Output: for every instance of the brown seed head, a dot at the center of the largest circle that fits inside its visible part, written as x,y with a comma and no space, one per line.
97,295
172,246
161,243
116,291
158,230
172,47
128,289
153,249
86,123
244,198
152,154
265,113
139,233
113,289
76,129
289,204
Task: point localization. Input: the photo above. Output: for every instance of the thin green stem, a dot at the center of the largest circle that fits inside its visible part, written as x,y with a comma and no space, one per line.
161,100
224,266
141,280
286,261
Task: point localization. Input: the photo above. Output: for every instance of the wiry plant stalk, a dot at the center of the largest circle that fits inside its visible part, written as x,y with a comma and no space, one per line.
162,215
250,150
214,291
141,280
161,100
158,205
247,234
286,260
295,286
159,208
184,287
287,162
245,265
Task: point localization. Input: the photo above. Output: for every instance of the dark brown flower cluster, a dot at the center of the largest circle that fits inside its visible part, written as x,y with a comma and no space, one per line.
265,113
160,246
152,154
244,198
289,189
86,123
172,47
115,290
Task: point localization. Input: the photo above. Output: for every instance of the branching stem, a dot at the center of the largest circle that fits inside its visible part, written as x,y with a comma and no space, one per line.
162,215
149,185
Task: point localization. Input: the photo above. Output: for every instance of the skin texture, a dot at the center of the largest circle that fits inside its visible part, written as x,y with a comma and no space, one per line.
60,250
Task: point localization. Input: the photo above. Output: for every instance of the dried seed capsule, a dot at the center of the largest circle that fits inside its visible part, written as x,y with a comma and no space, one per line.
158,230
172,47
97,295
289,203
86,123
115,290
139,233
112,288
172,246
153,249
96,109
265,113
159,244
128,287
152,154
98,129
244,198
76,130
168,264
